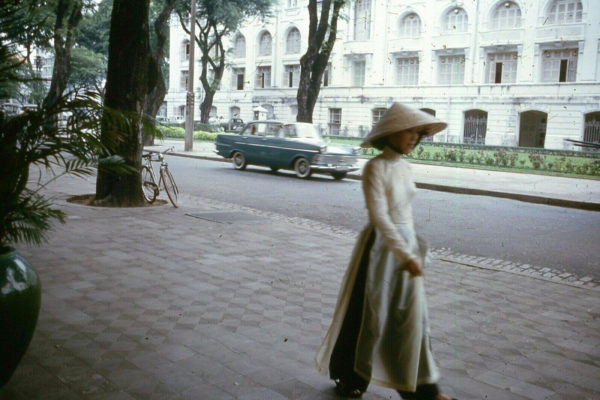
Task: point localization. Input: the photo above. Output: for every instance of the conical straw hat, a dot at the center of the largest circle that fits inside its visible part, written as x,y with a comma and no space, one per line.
400,117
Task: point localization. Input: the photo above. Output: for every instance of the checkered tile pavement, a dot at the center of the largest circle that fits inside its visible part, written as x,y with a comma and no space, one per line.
152,303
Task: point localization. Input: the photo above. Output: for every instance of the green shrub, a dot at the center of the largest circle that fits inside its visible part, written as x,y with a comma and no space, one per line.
536,160
172,131
450,155
207,136
501,158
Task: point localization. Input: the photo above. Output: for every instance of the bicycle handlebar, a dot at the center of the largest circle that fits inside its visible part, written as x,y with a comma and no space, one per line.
160,153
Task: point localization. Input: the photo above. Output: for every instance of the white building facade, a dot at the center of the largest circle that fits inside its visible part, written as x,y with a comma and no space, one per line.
513,73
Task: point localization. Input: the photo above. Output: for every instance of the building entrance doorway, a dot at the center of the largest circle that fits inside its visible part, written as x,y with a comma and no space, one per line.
532,129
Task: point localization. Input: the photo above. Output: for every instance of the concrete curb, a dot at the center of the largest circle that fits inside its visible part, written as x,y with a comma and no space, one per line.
549,201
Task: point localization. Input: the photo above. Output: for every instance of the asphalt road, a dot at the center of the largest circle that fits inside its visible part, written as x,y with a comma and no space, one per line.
559,238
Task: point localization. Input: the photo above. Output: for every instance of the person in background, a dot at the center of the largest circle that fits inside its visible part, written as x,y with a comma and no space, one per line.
380,328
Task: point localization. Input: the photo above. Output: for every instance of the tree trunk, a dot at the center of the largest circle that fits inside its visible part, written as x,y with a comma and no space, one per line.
127,81
321,38
209,92
206,105
210,87
68,15
155,99
310,85
156,93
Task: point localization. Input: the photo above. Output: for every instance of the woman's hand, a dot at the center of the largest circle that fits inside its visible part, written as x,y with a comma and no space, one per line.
413,267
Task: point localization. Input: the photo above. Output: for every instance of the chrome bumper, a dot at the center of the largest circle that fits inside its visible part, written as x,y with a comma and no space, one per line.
333,168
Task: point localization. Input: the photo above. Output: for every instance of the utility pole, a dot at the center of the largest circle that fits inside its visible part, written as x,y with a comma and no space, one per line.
189,118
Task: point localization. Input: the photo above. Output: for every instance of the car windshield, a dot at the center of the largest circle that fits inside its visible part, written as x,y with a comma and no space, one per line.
301,131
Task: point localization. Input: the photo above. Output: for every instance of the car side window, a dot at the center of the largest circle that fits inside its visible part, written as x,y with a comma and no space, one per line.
254,130
271,129
289,131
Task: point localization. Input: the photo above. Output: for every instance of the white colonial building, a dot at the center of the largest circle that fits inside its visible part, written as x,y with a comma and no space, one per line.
516,72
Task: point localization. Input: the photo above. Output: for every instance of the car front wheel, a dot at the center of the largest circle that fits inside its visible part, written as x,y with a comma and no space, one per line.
239,160
302,168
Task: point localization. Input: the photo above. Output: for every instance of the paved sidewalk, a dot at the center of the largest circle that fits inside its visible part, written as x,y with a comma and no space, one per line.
217,301
543,189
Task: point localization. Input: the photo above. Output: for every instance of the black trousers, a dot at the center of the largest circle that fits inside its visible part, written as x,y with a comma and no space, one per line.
341,364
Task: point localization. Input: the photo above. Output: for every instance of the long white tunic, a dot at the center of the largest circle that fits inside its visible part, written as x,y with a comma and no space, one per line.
393,346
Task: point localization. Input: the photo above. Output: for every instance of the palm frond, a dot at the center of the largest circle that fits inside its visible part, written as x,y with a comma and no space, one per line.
28,219
57,147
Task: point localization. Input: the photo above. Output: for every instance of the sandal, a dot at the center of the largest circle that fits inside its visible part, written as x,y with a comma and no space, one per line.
346,391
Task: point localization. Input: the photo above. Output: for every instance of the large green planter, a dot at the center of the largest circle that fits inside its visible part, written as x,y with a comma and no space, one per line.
20,295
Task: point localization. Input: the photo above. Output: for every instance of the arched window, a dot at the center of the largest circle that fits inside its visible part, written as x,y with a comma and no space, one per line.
292,43
565,12
239,50
475,126
234,112
506,15
591,132
410,26
265,44
456,20
185,50
362,19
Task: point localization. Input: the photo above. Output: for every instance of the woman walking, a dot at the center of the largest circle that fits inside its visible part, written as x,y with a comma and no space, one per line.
380,330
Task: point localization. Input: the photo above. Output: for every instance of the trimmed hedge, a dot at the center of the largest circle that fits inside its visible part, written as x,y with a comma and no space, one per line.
179,133
510,159
499,157
198,126
567,162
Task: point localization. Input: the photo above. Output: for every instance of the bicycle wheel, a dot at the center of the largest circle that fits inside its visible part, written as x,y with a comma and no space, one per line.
149,186
170,186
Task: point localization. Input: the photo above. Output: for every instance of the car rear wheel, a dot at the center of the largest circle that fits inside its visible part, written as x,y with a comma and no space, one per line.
338,175
302,168
239,160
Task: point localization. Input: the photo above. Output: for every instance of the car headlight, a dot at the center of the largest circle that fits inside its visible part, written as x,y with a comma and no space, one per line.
323,149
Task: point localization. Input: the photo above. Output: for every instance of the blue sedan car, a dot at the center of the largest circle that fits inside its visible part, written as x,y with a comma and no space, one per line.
297,146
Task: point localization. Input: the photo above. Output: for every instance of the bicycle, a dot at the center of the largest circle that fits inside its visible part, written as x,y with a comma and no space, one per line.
150,187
